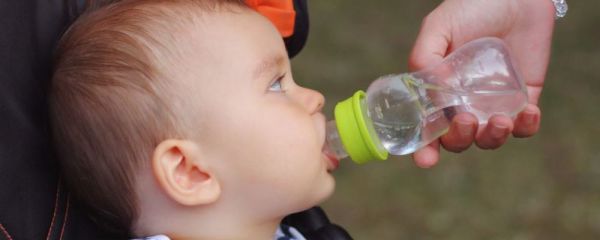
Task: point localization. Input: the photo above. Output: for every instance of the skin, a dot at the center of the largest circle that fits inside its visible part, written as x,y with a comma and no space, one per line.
526,27
256,154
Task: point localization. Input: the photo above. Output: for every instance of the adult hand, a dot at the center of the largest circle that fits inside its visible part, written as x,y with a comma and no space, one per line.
526,27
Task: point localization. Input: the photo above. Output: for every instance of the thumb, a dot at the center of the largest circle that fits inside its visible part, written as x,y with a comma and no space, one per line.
432,43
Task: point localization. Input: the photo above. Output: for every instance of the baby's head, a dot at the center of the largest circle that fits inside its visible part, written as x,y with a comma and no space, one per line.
171,114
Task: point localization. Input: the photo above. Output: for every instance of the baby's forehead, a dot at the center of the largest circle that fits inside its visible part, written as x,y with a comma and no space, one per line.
228,42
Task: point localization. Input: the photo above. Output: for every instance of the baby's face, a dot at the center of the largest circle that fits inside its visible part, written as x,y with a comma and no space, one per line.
266,132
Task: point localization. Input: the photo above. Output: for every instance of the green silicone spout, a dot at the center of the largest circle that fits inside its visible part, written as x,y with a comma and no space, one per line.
356,130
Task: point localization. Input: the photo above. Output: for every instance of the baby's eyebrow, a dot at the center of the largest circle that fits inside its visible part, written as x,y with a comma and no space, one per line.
267,64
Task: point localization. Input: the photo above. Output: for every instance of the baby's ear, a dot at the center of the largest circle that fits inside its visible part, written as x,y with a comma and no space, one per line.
178,167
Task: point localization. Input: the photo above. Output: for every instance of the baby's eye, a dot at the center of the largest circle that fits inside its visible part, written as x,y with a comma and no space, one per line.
276,85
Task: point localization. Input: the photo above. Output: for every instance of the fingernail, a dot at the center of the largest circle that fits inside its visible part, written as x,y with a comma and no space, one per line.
465,129
529,118
498,132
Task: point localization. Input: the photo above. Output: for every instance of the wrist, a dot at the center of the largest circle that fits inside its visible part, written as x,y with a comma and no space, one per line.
536,12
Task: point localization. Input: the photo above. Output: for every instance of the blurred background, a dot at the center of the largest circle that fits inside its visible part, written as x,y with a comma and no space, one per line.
545,187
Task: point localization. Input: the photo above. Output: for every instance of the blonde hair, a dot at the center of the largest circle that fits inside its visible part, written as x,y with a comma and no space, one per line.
111,101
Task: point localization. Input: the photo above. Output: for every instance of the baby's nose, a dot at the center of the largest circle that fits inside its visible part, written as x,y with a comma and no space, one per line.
312,100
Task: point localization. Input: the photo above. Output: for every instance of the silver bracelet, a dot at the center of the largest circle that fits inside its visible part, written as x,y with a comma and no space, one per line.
561,8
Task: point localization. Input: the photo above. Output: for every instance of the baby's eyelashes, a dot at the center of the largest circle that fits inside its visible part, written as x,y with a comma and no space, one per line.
276,86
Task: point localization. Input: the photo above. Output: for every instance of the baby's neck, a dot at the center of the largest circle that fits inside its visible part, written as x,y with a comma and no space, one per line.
259,232
206,226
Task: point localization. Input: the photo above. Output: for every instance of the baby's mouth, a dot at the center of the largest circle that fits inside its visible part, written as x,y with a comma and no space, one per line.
332,161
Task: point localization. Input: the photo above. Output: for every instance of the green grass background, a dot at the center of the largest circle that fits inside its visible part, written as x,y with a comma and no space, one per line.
545,187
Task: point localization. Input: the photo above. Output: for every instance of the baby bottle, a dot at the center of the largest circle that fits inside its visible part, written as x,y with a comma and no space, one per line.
401,113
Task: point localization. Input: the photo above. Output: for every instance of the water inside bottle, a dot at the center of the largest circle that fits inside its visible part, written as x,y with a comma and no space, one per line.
408,114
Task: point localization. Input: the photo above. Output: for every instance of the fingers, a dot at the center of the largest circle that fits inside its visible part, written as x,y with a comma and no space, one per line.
461,134
427,156
495,133
431,45
527,123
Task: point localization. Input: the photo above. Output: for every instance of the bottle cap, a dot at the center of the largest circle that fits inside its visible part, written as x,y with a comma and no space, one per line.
356,130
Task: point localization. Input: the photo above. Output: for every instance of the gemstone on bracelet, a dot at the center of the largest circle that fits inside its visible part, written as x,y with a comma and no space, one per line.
561,8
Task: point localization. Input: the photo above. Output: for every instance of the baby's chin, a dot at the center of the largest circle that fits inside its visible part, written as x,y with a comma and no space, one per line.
326,190
319,194
318,191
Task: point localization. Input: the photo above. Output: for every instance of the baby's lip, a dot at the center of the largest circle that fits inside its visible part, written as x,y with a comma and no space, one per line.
332,161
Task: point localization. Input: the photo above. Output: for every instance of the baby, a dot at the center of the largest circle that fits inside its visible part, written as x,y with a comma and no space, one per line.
182,118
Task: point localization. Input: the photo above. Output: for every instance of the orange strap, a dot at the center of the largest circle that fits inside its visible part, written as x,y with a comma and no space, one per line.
280,12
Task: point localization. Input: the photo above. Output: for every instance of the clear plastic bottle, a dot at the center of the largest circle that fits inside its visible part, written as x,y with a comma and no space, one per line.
401,113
